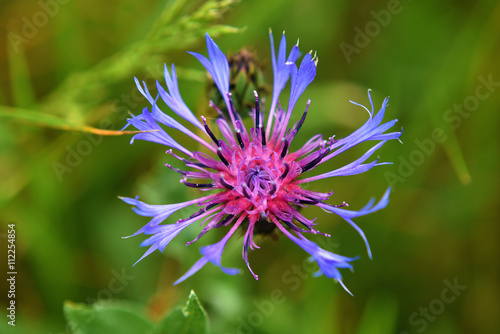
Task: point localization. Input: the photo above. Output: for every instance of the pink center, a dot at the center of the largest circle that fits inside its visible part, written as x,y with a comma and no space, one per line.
255,173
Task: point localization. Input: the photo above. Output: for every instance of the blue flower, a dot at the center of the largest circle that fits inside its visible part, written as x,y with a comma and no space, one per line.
253,177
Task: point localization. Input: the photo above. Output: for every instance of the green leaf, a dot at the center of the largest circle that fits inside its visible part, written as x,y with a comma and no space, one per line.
191,319
106,317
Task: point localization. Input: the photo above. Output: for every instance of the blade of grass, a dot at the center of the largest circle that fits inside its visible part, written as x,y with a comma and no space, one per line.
52,121
22,91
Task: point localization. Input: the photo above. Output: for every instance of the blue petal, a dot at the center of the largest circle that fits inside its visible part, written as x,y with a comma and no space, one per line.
328,262
217,65
193,270
173,98
144,91
355,167
145,122
282,51
364,211
213,254
301,78
162,235
158,212
294,54
347,215
165,119
371,130
281,72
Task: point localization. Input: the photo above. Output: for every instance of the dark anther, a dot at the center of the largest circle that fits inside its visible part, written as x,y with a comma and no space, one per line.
263,136
245,190
232,109
197,185
303,117
199,212
312,163
293,226
285,173
193,164
273,189
209,132
316,161
224,183
182,172
210,206
308,202
221,157
257,111
259,126
305,224
224,221
240,140
285,149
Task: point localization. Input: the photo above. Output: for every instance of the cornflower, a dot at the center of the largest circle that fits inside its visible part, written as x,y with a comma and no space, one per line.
255,177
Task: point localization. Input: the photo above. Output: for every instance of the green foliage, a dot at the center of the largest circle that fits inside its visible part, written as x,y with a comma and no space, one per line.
190,319
105,317
69,100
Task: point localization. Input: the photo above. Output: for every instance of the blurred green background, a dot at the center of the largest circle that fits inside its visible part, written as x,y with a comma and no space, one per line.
437,60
